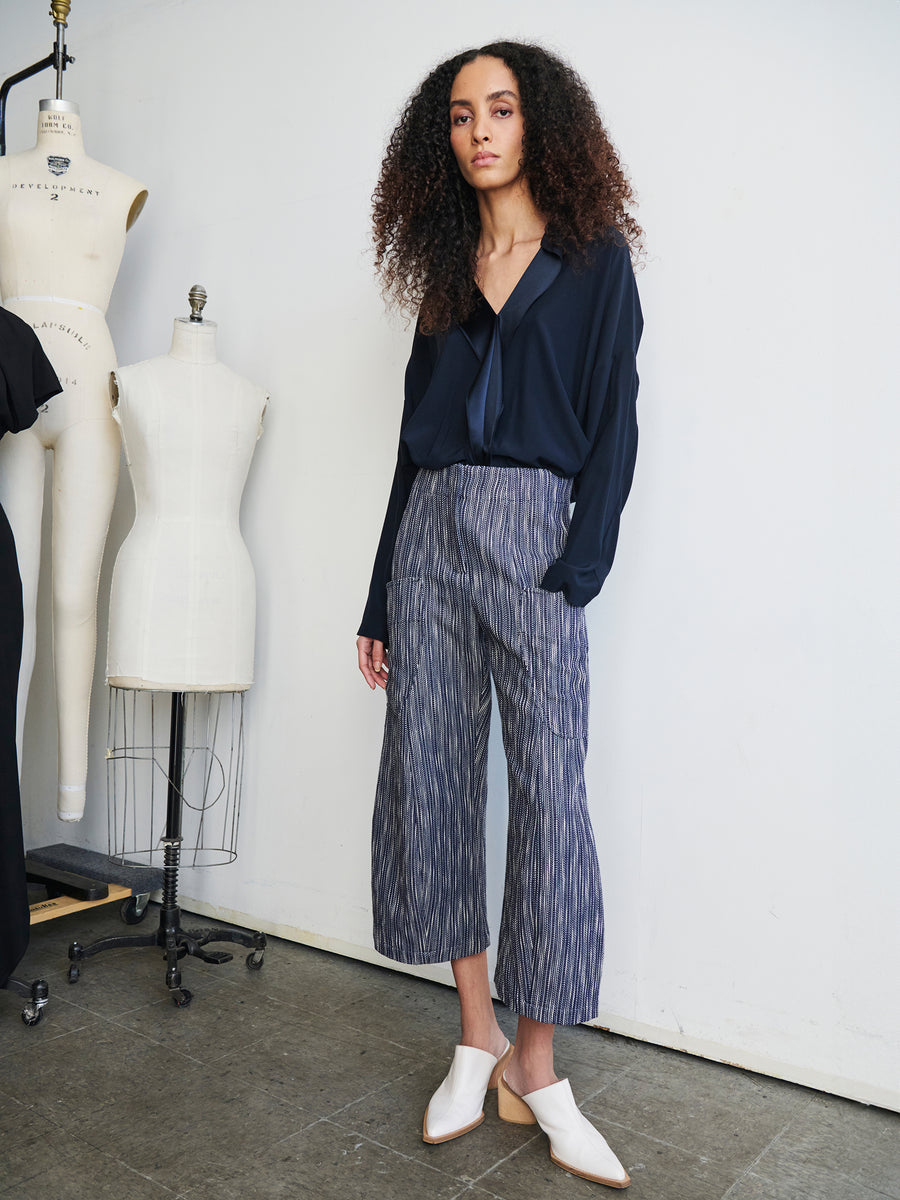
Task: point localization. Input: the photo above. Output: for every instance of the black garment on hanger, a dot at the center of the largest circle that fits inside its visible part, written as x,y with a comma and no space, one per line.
26,381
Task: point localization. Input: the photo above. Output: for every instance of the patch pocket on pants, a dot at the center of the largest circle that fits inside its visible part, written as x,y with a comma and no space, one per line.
406,619
553,640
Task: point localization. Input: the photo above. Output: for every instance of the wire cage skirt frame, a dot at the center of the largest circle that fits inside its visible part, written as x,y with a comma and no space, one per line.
138,778
173,791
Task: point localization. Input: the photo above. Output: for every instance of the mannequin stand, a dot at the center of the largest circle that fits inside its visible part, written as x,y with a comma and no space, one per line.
176,941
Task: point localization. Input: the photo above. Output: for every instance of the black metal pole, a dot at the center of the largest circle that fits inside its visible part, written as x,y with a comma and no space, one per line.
170,916
176,767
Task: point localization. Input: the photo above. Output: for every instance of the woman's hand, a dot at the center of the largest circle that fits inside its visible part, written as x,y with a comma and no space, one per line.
372,661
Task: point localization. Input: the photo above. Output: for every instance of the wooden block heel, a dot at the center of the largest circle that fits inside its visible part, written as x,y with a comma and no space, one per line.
511,1107
500,1067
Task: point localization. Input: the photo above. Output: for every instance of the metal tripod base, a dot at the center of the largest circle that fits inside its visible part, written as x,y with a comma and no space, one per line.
177,943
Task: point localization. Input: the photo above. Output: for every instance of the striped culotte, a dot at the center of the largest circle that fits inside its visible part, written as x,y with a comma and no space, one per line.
465,605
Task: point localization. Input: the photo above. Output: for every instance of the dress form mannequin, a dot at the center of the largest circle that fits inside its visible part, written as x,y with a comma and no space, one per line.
183,601
63,219
181,618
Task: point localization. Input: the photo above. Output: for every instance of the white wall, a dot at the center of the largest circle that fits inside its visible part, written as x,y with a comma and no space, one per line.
744,754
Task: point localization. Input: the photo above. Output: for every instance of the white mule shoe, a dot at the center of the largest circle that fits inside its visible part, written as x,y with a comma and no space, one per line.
458,1104
575,1145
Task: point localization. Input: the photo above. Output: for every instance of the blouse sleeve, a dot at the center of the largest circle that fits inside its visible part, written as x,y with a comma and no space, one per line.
26,376
602,486
418,376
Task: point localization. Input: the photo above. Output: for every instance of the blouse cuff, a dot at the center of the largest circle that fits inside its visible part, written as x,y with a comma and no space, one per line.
373,629
579,585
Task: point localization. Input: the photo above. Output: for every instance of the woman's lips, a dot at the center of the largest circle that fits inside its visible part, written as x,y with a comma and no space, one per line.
482,159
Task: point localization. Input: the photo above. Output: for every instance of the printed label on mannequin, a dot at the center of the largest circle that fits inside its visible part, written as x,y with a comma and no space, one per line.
55,187
50,122
57,164
62,329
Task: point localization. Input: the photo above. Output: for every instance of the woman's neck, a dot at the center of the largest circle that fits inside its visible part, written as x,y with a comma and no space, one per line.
59,127
193,341
508,216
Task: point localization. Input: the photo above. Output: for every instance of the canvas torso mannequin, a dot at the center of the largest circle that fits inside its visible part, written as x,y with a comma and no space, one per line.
63,219
183,601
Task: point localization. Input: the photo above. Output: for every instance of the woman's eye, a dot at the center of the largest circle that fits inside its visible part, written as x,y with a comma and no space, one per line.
461,119
503,112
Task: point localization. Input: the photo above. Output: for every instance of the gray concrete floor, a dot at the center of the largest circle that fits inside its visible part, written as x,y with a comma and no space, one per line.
309,1079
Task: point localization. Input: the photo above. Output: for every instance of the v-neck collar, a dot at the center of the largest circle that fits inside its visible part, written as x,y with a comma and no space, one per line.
533,282
488,332
498,312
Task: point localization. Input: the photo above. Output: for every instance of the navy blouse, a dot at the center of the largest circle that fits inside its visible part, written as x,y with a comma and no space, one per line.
550,381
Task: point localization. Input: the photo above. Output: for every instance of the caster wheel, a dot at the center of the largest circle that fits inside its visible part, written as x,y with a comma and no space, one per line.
182,998
130,913
74,973
254,961
31,1014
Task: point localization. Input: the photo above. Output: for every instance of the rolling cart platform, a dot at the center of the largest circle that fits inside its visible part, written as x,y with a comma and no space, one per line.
76,879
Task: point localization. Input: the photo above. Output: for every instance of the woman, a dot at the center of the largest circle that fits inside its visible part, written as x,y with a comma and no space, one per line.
501,215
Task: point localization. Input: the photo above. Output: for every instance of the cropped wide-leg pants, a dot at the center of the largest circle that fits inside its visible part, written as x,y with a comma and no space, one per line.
465,606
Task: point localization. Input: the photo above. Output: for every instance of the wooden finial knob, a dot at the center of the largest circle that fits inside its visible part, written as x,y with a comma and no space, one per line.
59,10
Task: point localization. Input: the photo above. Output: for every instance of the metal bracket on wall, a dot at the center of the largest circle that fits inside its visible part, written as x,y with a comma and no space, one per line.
58,58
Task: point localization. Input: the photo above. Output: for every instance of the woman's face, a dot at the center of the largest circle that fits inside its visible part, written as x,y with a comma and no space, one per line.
486,124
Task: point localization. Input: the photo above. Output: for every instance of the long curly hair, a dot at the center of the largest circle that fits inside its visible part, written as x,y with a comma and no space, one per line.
425,216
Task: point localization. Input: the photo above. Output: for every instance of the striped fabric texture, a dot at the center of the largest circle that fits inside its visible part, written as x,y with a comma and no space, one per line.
464,605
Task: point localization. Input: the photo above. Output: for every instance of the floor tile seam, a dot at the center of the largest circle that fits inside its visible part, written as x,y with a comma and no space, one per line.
512,1154
835,1175
134,1171
718,1162
627,1071
746,1174
376,993
602,1088
217,1061
399,1153
264,1147
295,1133
118,1021
119,1162
45,1041
469,1190
51,1117
124,1012
374,1037
366,1096
304,1014
296,1104
73,1002
751,1174
155,1041
293,1104
651,1075
748,1170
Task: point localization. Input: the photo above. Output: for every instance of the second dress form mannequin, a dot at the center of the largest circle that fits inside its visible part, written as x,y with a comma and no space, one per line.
63,219
182,613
